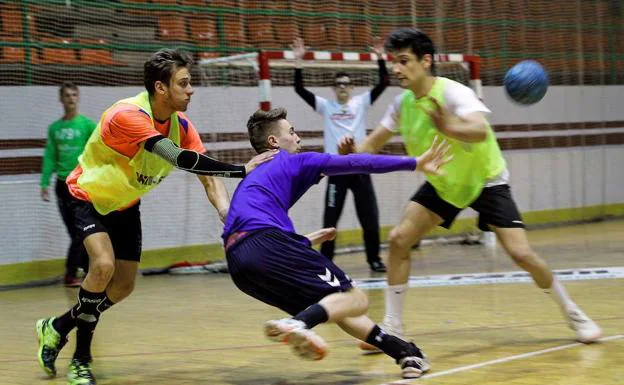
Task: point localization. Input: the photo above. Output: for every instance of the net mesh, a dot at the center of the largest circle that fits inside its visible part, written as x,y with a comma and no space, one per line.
101,45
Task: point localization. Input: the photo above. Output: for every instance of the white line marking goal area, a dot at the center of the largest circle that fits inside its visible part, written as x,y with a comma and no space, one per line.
498,361
495,277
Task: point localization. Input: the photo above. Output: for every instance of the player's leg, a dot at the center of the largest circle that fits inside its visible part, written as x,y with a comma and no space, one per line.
368,215
412,360
498,210
417,221
52,332
75,252
125,233
334,202
282,270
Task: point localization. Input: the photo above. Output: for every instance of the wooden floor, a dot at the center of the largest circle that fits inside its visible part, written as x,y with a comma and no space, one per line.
202,330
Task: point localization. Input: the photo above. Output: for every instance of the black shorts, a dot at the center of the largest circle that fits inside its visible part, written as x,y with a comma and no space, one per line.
281,269
495,206
123,227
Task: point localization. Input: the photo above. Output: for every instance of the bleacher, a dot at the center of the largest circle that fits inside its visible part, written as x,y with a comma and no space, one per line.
41,41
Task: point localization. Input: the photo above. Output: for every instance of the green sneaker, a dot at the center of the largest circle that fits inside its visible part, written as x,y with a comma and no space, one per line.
50,344
80,373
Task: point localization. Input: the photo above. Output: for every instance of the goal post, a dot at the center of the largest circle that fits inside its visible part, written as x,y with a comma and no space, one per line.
266,65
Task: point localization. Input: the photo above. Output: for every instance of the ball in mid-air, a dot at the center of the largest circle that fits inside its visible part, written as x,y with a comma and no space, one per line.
526,82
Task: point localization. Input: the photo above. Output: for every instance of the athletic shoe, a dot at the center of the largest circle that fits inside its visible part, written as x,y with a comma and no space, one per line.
587,331
304,342
50,344
80,373
377,267
70,281
414,366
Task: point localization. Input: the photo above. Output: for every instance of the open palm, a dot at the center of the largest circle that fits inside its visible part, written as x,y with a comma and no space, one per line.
432,160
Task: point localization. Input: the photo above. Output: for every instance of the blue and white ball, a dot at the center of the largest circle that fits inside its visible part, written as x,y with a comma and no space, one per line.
526,82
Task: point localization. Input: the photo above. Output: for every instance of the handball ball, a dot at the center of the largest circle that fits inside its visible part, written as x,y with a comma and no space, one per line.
526,82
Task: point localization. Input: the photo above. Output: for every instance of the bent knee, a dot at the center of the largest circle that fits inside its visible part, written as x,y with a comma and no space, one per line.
360,299
102,270
399,239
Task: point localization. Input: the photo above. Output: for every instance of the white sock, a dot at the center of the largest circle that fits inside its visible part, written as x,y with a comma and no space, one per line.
559,293
395,298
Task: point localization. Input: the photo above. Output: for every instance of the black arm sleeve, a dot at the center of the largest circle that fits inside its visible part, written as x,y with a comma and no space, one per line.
384,81
191,161
301,91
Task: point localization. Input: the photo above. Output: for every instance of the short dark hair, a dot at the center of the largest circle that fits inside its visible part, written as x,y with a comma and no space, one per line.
161,66
413,38
260,125
67,85
342,74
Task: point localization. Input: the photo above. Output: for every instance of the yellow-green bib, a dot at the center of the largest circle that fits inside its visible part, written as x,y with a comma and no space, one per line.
473,163
112,180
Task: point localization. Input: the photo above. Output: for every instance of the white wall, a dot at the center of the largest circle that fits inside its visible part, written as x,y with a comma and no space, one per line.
178,213
27,111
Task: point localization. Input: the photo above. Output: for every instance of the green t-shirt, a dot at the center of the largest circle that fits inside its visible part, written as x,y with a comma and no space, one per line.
66,140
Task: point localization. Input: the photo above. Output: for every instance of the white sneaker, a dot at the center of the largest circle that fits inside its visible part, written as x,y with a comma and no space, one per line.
414,366
304,342
587,331
390,326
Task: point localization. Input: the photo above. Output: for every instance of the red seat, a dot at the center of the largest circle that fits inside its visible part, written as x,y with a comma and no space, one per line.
204,31
234,32
172,27
286,30
101,56
58,55
12,23
261,32
13,54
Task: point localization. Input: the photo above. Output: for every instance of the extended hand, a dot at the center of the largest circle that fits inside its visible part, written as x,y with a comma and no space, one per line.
322,235
434,158
259,159
346,145
298,47
378,47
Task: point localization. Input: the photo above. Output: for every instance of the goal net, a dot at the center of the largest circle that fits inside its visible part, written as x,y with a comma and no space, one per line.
270,76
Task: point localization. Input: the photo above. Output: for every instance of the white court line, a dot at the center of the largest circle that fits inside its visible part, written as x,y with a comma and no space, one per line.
498,361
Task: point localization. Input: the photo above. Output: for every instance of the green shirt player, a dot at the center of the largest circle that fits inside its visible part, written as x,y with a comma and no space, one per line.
477,176
67,138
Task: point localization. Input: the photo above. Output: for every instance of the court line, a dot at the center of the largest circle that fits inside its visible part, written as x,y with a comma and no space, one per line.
498,361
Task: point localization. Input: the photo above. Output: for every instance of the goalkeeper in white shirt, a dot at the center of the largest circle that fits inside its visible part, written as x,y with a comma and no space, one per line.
346,115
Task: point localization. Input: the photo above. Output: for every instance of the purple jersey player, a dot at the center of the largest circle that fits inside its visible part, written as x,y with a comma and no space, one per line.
269,261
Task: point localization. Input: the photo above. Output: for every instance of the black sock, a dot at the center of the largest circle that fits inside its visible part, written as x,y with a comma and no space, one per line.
87,303
391,345
313,316
84,332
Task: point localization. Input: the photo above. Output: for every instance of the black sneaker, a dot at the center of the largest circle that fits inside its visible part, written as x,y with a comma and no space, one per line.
377,267
415,365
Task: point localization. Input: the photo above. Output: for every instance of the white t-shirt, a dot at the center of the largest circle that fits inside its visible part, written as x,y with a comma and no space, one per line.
342,119
460,101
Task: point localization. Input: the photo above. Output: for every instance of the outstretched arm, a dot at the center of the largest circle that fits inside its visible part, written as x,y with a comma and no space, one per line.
429,162
197,163
299,49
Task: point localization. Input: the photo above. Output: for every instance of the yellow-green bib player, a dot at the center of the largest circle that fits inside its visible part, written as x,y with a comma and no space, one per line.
114,181
473,163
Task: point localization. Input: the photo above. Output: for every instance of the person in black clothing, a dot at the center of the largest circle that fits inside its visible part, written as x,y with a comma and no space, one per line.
346,116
